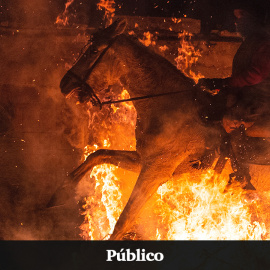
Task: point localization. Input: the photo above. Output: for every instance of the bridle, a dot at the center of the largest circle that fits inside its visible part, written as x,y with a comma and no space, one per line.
86,92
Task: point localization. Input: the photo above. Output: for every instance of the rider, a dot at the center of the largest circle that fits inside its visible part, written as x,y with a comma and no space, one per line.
247,112
248,87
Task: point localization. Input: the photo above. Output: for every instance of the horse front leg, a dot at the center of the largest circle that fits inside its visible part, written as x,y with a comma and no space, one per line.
150,178
128,160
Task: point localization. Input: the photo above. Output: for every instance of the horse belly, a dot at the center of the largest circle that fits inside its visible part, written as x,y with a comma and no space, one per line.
174,142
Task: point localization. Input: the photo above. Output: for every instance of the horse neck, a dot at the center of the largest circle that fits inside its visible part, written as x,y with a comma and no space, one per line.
145,73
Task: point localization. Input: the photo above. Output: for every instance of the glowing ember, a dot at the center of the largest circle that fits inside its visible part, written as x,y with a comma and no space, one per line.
176,20
163,48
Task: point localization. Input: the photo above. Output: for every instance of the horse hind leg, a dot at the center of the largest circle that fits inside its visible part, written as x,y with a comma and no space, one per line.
150,178
128,160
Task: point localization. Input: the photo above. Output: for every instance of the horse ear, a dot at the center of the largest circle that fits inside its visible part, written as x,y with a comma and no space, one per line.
103,35
120,26
116,28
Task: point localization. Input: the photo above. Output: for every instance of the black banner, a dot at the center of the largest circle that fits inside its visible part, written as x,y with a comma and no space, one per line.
74,255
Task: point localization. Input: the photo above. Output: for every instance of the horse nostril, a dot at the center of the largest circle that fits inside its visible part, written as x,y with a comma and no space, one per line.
63,82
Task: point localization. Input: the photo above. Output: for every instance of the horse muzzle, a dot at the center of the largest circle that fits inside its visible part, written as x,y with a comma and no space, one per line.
68,85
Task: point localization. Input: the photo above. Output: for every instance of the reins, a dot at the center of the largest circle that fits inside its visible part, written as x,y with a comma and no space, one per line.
142,97
87,92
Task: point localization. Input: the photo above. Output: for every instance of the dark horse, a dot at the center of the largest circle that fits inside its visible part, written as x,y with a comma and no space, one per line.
169,131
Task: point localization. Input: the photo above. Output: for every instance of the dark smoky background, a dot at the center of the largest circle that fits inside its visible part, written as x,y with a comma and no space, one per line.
42,134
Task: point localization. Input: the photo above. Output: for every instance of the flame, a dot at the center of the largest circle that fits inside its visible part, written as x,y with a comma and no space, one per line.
63,19
109,7
102,210
202,211
148,39
187,56
193,207
163,48
89,150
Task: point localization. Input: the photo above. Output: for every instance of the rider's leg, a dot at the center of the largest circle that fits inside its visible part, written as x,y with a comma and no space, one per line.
153,174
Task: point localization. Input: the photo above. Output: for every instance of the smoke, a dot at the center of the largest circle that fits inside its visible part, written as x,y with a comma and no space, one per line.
44,133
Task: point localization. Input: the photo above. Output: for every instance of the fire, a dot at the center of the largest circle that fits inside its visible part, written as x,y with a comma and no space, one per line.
184,209
193,207
63,19
109,7
148,39
187,56
102,210
203,211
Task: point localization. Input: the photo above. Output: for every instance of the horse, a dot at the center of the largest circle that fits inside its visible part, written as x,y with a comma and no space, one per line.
170,133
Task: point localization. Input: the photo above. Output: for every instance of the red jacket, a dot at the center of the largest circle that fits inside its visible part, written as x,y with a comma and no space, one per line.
251,64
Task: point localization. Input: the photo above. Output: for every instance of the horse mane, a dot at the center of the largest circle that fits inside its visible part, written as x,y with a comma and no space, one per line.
160,58
150,68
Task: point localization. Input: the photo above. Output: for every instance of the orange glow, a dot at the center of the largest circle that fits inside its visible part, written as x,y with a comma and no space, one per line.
202,211
63,19
163,48
176,20
193,207
148,39
109,7
188,55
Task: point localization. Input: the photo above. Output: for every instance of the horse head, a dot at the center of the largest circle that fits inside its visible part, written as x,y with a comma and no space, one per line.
74,83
